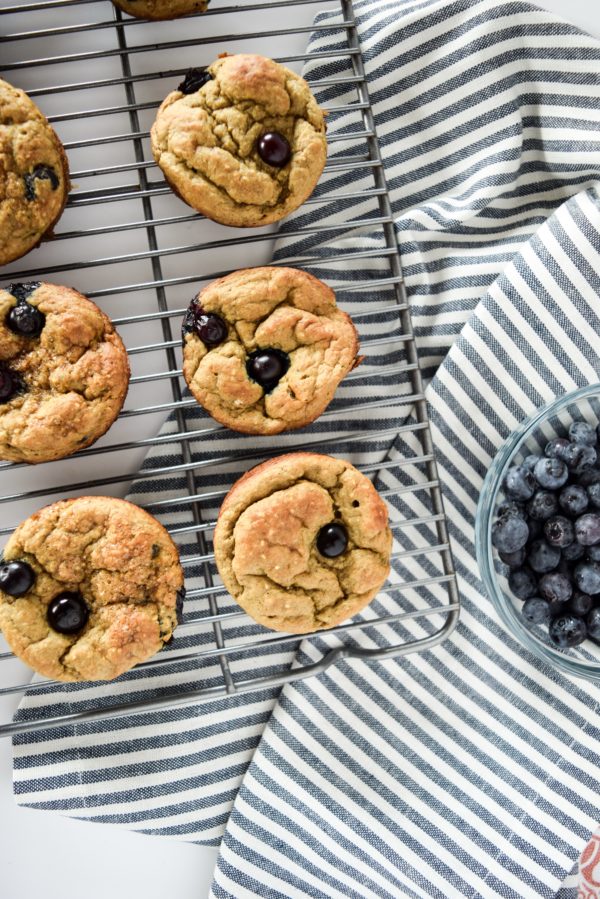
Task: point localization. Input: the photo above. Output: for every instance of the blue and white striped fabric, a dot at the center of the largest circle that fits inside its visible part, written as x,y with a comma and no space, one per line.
471,770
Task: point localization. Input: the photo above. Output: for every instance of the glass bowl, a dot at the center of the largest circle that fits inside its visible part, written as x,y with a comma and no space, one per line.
551,421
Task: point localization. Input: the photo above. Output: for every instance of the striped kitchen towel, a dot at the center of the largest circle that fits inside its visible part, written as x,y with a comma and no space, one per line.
473,769
470,770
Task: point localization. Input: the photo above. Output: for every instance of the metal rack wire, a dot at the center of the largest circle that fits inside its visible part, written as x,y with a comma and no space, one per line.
161,250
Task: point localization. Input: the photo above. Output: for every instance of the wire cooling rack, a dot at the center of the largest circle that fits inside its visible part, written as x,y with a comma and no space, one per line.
133,247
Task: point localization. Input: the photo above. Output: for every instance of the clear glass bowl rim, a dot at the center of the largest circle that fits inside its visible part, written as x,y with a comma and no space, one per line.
483,537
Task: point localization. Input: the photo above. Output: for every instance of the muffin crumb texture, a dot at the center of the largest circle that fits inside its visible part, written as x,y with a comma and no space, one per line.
280,309
125,567
266,542
34,174
207,142
70,381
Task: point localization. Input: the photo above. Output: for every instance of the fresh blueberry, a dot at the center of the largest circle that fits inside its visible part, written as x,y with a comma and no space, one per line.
519,483
587,577
514,560
587,529
267,368
68,613
10,384
529,462
25,320
582,432
16,578
39,173
559,531
523,583
593,552
194,80
567,630
587,459
274,149
573,551
593,624
565,568
332,540
509,534
580,604
536,529
555,587
536,610
593,494
551,473
555,447
572,454
578,457
511,507
588,477
556,609
573,499
542,505
542,557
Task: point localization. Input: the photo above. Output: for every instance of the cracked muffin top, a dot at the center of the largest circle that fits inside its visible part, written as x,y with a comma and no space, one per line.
302,542
264,349
243,141
64,372
161,9
34,174
89,587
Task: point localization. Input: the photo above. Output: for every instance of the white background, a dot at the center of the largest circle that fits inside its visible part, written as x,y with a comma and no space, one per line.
44,855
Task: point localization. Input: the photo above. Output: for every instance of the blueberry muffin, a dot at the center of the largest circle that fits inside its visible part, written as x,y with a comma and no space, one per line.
242,141
34,175
264,349
64,372
161,9
89,587
302,542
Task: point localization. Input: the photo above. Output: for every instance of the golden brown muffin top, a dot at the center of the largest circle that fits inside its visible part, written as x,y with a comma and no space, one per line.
69,381
34,174
206,142
269,308
267,536
123,564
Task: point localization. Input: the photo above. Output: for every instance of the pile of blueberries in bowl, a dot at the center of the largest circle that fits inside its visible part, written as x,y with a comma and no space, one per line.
538,533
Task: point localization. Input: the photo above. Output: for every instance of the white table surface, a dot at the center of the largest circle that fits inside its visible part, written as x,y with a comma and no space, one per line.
75,858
